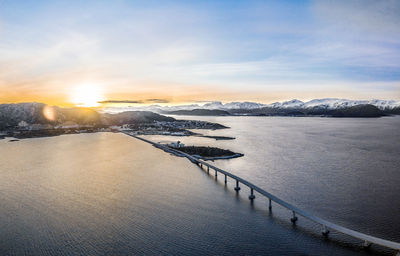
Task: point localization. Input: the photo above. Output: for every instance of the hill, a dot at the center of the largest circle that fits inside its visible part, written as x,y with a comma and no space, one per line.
12,115
365,110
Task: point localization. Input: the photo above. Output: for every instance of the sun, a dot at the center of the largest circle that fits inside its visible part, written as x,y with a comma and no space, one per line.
87,95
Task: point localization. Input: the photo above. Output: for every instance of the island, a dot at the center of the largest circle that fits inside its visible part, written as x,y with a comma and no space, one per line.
366,110
207,153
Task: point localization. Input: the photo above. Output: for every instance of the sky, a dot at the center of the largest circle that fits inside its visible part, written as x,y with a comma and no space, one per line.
74,52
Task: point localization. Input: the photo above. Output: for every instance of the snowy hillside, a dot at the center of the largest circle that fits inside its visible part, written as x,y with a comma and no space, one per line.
327,103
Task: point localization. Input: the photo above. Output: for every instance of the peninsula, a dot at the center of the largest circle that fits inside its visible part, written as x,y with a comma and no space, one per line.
30,120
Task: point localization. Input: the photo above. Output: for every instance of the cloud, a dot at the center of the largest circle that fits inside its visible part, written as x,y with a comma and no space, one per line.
157,101
134,101
120,101
198,48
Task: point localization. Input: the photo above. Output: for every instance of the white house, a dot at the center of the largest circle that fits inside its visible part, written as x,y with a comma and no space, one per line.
177,144
23,124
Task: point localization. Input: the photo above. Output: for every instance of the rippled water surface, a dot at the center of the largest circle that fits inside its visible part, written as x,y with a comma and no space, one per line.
104,193
345,170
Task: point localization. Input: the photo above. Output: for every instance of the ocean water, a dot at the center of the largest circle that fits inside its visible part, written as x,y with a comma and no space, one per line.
110,194
344,170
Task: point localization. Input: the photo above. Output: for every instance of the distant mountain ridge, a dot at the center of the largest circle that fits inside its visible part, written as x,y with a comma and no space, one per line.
326,103
334,103
200,112
11,115
361,110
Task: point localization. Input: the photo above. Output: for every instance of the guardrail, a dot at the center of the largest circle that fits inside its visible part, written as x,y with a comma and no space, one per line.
326,225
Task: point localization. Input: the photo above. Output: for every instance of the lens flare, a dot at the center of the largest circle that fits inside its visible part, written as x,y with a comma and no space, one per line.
49,113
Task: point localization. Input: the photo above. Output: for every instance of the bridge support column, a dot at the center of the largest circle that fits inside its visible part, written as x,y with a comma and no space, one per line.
252,196
294,218
270,205
225,179
366,244
208,169
216,173
201,165
325,231
237,188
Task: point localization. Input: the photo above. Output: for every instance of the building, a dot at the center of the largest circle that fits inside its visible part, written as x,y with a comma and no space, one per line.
177,144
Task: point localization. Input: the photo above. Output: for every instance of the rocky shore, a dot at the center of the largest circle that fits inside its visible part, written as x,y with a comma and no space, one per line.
208,153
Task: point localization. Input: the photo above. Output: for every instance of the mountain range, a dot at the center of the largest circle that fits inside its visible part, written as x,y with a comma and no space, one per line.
35,113
326,103
323,107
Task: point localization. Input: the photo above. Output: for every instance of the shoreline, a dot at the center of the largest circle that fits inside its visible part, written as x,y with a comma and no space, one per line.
178,153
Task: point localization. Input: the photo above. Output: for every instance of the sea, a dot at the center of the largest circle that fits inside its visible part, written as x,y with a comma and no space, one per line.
111,194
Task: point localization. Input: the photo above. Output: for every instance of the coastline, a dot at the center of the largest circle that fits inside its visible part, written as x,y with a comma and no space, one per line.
178,153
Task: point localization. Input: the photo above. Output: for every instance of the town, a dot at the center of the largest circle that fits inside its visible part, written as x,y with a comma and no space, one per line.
171,128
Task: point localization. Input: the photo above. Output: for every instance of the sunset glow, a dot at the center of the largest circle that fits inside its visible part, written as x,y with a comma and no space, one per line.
197,51
87,95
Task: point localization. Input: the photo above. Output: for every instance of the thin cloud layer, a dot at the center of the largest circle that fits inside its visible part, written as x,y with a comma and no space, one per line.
134,101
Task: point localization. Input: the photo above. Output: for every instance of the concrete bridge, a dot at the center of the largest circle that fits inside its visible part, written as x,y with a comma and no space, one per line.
326,226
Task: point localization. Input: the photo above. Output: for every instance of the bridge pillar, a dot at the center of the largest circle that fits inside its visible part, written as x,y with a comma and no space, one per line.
270,205
216,173
325,231
252,196
366,244
237,188
208,169
225,179
294,218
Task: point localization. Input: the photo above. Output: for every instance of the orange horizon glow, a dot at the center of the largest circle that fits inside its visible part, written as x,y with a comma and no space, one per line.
90,96
90,92
188,53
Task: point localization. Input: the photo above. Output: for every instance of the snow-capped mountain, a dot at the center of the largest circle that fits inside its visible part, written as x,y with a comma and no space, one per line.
327,103
287,104
243,105
210,105
334,103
